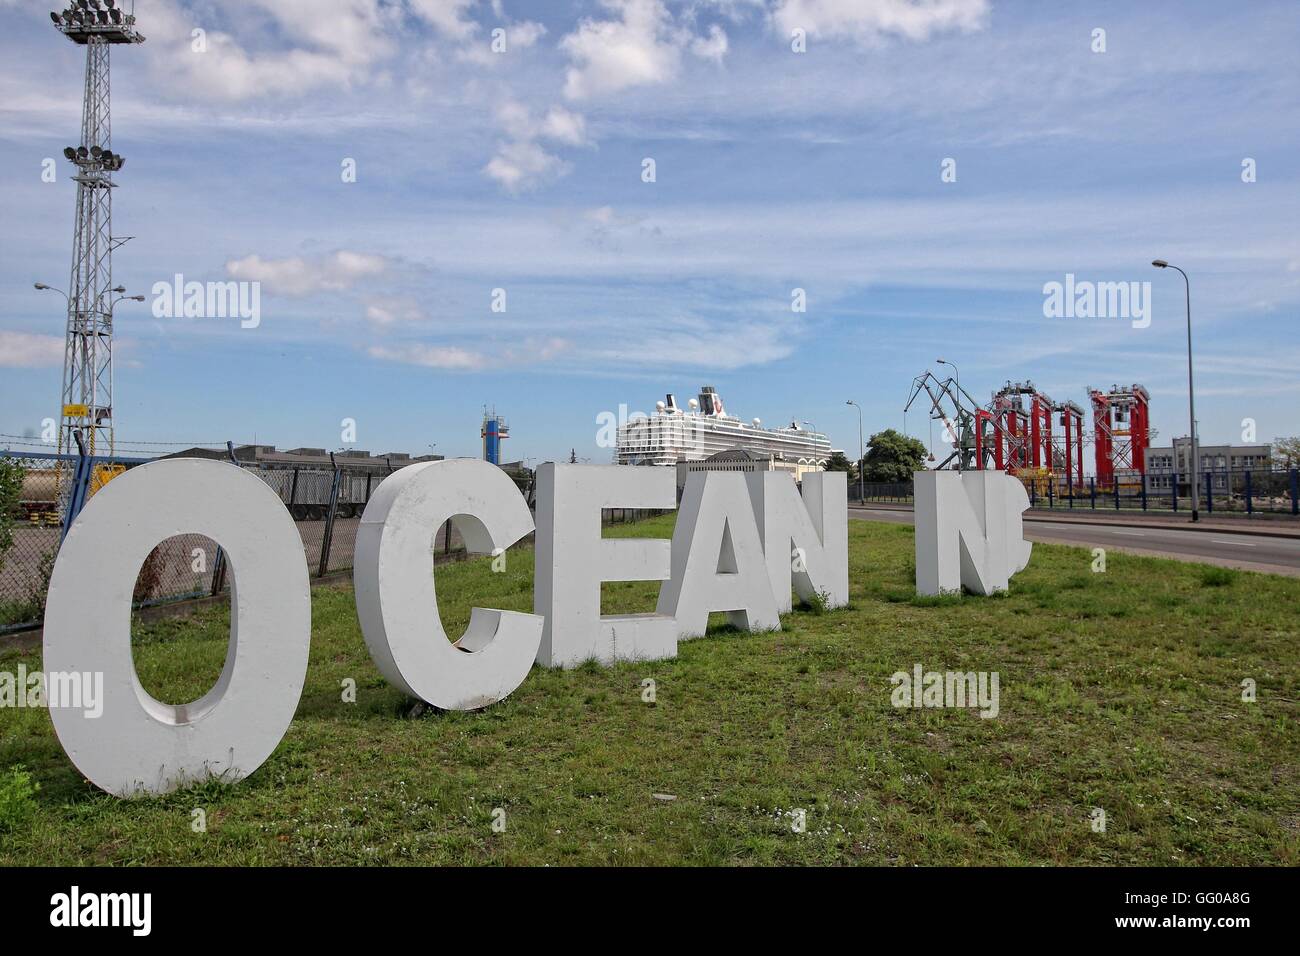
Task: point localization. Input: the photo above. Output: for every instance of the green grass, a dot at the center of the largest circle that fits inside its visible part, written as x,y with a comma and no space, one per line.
1119,690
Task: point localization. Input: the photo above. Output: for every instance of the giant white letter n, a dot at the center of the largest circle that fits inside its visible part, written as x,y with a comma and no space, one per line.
969,531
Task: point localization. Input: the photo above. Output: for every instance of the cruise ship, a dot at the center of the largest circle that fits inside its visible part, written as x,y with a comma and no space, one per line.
673,434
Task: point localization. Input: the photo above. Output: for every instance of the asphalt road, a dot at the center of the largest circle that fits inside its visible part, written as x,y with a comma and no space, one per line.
1224,548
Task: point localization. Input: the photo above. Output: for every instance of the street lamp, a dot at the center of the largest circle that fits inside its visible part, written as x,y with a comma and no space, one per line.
1191,395
42,287
861,451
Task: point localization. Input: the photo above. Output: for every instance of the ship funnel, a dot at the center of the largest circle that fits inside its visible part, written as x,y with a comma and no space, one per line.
671,403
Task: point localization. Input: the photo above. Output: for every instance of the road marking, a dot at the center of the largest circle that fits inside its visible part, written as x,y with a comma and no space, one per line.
1240,544
1132,534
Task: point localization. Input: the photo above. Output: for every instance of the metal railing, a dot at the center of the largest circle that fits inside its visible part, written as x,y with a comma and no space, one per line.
1219,491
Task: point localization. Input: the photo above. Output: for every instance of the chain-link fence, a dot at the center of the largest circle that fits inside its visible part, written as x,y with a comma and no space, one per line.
40,493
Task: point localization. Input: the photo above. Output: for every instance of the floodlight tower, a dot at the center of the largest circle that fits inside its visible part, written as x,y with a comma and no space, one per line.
88,356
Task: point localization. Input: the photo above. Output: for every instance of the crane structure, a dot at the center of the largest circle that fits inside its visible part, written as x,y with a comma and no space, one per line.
960,414
1068,450
1121,434
87,405
1016,432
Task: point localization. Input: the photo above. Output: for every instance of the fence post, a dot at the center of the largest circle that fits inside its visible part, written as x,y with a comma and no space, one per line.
1070,491
219,562
1051,495
1295,491
1092,492
80,482
1144,492
1250,505
1173,490
1117,494
1033,492
329,519
1209,492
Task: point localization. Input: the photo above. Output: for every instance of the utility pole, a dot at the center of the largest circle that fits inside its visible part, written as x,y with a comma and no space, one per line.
88,354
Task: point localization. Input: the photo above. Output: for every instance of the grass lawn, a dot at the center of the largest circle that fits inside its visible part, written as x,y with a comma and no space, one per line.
1119,690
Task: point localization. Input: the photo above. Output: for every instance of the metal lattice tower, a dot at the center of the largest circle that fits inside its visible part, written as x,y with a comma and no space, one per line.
88,357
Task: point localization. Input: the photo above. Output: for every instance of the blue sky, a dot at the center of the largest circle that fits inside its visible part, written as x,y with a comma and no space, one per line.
775,170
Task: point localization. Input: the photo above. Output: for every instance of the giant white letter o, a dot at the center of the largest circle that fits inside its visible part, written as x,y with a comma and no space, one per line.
139,744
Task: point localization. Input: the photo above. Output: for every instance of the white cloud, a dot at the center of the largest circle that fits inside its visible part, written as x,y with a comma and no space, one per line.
299,276
712,47
331,43
447,16
522,162
867,21
25,350
388,312
454,357
643,47
524,165
432,356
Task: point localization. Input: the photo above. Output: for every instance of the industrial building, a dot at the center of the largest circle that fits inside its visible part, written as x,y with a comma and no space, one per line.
1220,461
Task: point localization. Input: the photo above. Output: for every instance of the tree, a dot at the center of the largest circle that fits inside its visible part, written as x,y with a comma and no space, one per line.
837,462
11,490
1286,451
893,457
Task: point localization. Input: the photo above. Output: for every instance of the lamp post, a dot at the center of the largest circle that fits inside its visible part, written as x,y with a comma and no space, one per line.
861,451
1191,394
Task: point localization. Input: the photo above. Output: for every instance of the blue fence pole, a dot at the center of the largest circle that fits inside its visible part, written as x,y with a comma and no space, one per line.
80,483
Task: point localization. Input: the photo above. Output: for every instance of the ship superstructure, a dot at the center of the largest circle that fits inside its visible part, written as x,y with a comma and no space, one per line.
674,434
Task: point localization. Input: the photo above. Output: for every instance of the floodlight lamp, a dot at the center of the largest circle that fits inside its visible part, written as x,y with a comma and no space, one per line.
69,152
96,151
137,298
120,289
110,3
115,16
1160,263
82,152
58,20
41,286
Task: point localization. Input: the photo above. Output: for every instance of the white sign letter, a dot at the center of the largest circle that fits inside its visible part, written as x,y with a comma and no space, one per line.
573,559
397,603
718,559
818,526
969,531
140,744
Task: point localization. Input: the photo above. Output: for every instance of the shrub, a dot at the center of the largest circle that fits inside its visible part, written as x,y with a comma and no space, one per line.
17,797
